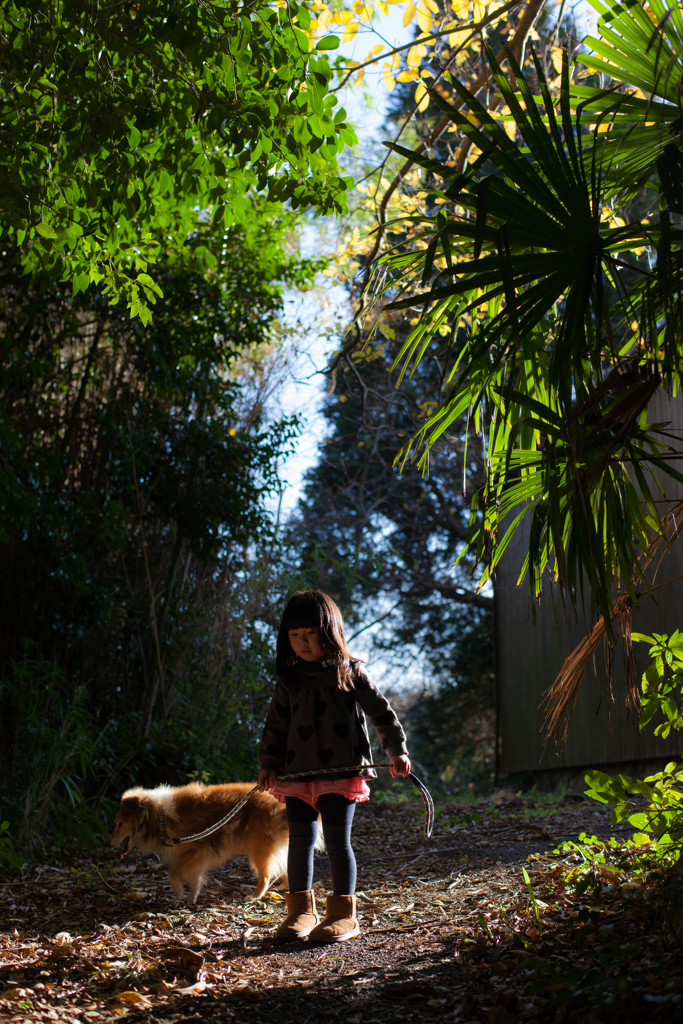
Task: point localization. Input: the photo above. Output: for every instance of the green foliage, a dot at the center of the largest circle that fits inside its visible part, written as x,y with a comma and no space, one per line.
47,736
137,551
451,724
532,896
7,847
642,46
659,813
565,318
653,805
125,125
662,683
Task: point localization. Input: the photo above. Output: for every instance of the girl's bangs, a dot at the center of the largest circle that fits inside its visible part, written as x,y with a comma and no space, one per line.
302,612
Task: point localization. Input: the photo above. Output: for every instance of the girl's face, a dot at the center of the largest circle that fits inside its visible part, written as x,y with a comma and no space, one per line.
305,644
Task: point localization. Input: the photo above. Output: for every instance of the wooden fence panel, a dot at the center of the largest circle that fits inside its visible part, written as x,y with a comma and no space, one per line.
529,656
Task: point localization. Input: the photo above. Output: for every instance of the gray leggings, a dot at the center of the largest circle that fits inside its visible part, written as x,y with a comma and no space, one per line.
336,812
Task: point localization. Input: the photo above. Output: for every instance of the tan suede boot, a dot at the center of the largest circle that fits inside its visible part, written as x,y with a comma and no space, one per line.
301,918
340,921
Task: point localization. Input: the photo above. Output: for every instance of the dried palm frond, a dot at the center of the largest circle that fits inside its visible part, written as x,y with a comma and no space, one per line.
672,524
561,698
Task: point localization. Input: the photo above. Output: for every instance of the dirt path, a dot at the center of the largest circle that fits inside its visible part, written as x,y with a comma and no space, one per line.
449,934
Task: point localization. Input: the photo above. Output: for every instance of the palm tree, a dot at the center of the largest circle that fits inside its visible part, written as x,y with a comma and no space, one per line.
556,263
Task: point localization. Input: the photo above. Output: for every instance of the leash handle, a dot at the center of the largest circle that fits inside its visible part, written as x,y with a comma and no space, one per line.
167,840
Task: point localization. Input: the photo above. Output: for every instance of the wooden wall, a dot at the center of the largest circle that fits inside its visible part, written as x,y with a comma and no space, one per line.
529,656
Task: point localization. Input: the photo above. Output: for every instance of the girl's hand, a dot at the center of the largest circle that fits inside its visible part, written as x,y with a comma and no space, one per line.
400,765
267,778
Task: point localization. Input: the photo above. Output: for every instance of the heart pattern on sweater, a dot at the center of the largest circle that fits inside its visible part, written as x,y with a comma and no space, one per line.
325,755
341,729
282,710
305,731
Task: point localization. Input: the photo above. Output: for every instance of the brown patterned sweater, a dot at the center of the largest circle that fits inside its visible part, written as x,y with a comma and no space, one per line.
313,724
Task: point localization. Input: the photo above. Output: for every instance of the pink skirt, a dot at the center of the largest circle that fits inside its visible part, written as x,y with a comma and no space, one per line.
353,789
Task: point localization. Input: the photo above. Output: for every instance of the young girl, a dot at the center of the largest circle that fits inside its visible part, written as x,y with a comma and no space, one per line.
316,721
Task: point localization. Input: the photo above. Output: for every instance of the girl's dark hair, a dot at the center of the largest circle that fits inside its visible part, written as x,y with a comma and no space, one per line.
311,609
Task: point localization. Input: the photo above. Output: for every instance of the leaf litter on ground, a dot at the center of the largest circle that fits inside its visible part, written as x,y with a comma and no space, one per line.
451,931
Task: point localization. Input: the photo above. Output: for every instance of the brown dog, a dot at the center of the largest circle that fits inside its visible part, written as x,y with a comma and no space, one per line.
258,830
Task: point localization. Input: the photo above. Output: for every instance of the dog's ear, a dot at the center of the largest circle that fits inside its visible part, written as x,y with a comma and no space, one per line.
136,807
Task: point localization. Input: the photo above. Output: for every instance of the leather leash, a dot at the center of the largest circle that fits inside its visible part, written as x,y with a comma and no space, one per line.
167,840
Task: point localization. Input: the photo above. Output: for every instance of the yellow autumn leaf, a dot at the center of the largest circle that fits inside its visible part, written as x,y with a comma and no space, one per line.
433,7
349,32
460,6
374,51
421,96
556,54
415,55
478,11
132,997
383,6
396,59
341,17
409,14
325,20
458,38
406,76
389,79
424,19
360,76
508,125
361,10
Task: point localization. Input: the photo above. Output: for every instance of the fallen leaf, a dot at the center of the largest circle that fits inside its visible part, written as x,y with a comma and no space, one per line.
17,993
243,991
187,957
132,997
